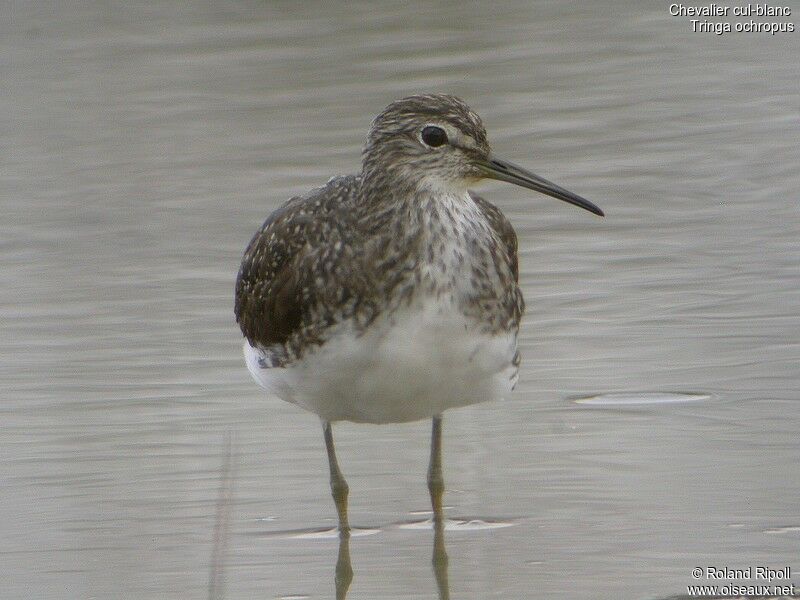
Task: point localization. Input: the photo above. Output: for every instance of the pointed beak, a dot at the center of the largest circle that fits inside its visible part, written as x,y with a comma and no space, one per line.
502,170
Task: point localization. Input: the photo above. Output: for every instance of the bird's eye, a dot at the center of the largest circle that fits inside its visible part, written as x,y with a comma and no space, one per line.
434,136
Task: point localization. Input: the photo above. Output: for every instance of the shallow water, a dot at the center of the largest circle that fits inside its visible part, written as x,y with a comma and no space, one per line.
142,146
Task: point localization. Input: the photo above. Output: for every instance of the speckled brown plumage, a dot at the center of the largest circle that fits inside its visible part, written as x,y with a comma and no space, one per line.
392,295
308,266
362,246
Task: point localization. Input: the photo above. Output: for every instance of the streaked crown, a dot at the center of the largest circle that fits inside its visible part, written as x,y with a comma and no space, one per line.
425,138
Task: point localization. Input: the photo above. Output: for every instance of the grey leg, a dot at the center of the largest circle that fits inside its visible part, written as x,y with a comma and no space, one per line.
436,489
339,488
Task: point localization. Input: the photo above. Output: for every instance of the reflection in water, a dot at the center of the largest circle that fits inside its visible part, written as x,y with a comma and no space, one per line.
344,569
216,580
440,558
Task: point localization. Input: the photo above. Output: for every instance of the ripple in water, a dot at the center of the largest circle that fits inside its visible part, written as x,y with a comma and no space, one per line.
330,534
786,529
641,398
458,524
315,533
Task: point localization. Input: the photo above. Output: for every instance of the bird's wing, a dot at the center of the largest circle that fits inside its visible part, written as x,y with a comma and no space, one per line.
502,229
286,274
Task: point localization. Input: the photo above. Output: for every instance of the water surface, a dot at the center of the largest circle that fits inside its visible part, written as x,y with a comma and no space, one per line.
142,145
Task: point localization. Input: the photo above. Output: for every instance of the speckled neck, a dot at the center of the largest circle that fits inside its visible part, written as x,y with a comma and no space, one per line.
440,246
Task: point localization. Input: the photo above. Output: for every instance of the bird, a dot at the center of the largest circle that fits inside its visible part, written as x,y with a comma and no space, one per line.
392,295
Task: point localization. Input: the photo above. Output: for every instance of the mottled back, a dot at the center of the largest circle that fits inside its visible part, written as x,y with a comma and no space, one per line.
306,256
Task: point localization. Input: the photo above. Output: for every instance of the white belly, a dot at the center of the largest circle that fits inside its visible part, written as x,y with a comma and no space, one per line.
411,365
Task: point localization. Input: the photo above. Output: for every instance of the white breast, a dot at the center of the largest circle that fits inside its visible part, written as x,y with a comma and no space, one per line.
411,365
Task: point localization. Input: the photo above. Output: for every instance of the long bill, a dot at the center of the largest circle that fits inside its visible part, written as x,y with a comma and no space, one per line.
502,170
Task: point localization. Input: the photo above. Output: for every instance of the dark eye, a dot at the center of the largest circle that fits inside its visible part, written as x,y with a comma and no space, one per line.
434,136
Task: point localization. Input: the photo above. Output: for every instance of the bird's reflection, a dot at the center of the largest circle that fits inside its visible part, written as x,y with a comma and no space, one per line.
344,569
440,558
343,575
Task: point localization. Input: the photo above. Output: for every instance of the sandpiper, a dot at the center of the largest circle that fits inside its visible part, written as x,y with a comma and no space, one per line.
392,295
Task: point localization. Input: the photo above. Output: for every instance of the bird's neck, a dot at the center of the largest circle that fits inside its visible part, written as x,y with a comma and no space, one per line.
401,203
428,238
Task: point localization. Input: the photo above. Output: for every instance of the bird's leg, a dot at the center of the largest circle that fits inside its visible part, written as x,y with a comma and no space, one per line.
339,488
435,479
436,489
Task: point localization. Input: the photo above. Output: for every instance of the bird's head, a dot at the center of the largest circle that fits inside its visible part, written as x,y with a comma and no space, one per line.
436,141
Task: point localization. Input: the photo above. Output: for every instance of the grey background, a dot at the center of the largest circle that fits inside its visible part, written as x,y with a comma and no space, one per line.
143,143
